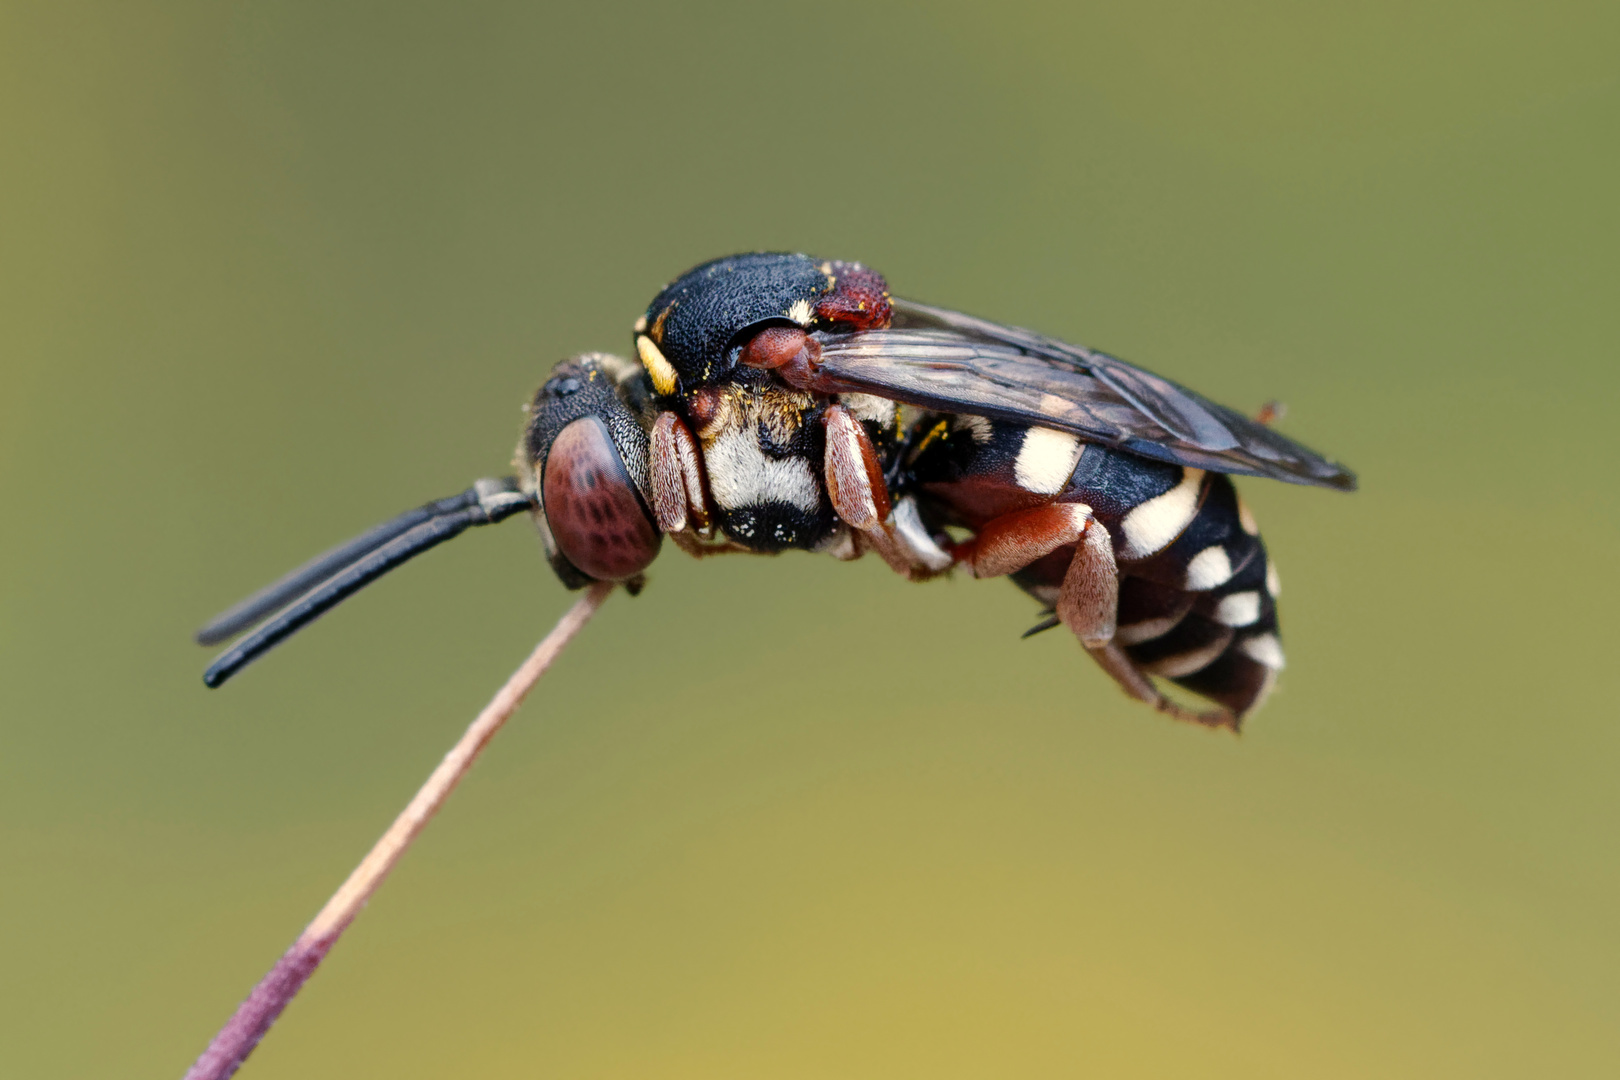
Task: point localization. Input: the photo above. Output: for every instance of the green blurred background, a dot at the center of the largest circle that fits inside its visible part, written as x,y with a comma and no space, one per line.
273,272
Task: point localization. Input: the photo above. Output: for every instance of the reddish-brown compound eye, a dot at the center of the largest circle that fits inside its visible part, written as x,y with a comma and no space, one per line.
592,507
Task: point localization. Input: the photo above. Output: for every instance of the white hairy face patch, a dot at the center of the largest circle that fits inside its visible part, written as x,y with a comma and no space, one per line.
738,424
741,474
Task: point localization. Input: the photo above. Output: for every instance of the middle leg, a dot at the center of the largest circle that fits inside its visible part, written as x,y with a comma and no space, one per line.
860,497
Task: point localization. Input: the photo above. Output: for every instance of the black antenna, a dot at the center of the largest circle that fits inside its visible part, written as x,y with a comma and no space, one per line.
279,593
323,582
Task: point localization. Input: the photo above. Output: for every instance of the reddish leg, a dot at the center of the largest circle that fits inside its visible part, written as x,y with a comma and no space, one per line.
680,499
1088,599
1013,541
859,496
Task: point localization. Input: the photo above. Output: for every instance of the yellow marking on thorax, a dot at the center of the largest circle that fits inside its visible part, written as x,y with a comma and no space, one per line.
663,375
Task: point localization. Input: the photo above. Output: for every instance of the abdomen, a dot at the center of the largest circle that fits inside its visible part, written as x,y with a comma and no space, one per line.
1197,598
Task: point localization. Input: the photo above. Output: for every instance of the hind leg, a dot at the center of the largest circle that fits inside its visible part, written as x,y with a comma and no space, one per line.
1088,599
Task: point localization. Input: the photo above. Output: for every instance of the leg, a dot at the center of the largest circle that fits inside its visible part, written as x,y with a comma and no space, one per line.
855,485
1088,604
1013,541
1088,599
680,500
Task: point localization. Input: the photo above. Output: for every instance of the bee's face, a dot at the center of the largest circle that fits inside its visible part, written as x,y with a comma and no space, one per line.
762,450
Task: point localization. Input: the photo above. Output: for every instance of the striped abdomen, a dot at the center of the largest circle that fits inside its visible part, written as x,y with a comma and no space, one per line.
1197,598
1198,608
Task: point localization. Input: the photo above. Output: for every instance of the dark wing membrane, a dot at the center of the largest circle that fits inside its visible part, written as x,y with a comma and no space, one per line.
944,360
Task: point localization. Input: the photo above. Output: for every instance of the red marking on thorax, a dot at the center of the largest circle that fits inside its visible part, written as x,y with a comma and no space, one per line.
859,300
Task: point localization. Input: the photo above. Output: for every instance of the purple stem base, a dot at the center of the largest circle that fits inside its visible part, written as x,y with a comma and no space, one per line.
254,1016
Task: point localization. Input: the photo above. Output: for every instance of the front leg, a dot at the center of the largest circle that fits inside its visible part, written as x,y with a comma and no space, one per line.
680,494
1088,599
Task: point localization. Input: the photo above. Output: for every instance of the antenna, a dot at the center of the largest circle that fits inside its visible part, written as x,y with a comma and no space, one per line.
325,581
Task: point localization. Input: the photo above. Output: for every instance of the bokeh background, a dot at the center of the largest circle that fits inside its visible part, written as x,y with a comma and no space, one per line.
270,273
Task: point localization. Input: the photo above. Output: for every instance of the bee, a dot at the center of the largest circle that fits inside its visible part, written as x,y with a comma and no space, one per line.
778,402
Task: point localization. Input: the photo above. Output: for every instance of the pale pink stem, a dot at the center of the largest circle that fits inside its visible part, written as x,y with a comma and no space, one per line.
254,1016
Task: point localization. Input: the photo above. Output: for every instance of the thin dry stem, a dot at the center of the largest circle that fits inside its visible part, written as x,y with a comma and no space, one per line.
255,1015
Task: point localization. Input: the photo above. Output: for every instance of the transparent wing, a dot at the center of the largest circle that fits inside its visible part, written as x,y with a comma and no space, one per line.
944,360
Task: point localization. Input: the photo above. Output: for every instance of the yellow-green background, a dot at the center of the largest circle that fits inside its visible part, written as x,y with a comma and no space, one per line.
272,272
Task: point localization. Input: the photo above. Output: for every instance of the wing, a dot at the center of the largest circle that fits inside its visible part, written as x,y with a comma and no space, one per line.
944,360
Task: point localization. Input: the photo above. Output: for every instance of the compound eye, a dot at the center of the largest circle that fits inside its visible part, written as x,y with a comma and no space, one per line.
593,510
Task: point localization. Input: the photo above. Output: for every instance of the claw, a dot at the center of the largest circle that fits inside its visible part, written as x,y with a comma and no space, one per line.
1045,624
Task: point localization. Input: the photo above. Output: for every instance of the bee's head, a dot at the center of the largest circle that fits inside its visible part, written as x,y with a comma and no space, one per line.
584,457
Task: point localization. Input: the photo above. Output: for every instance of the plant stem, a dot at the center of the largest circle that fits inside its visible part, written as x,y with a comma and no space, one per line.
254,1016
